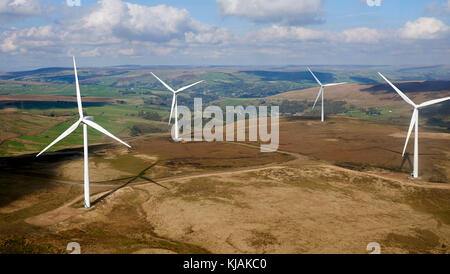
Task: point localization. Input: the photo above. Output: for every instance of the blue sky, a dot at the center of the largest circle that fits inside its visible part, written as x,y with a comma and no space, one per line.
40,33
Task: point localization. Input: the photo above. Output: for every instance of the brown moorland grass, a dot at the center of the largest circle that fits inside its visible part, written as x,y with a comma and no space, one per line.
231,198
362,144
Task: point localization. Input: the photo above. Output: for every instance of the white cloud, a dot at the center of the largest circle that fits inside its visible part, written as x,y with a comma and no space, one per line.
272,51
424,28
34,38
292,12
8,45
362,35
137,22
211,36
129,51
113,27
279,33
16,9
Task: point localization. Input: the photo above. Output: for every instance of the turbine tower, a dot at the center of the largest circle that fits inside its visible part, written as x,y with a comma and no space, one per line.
86,121
322,87
174,102
414,123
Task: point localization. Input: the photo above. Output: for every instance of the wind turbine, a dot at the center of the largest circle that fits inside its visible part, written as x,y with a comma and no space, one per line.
322,87
174,102
86,121
414,123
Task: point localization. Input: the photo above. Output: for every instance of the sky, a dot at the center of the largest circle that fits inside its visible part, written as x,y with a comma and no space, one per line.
46,33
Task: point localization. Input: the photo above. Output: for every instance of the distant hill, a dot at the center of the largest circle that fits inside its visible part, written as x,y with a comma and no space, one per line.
408,87
375,96
220,81
18,74
363,80
49,101
418,68
60,75
291,76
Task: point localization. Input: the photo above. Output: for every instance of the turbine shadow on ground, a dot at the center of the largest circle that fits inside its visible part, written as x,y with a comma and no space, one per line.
406,157
141,175
25,174
401,167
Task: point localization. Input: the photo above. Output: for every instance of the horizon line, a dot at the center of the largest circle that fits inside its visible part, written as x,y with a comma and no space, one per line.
228,66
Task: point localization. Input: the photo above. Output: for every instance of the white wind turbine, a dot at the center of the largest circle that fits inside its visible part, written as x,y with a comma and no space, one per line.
174,102
414,123
86,121
322,87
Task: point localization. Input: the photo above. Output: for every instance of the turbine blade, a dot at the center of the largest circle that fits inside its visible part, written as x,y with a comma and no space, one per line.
411,126
104,131
162,82
171,109
186,87
80,106
432,102
398,91
314,76
318,95
62,136
334,84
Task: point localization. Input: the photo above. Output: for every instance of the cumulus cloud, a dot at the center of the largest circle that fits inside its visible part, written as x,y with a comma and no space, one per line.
280,33
34,38
158,24
137,22
362,35
210,36
16,9
424,28
291,12
113,27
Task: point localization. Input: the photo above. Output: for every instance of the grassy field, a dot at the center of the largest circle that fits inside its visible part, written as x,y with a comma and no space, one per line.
28,131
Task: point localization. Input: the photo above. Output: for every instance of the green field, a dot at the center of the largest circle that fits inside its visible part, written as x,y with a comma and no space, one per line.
118,119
